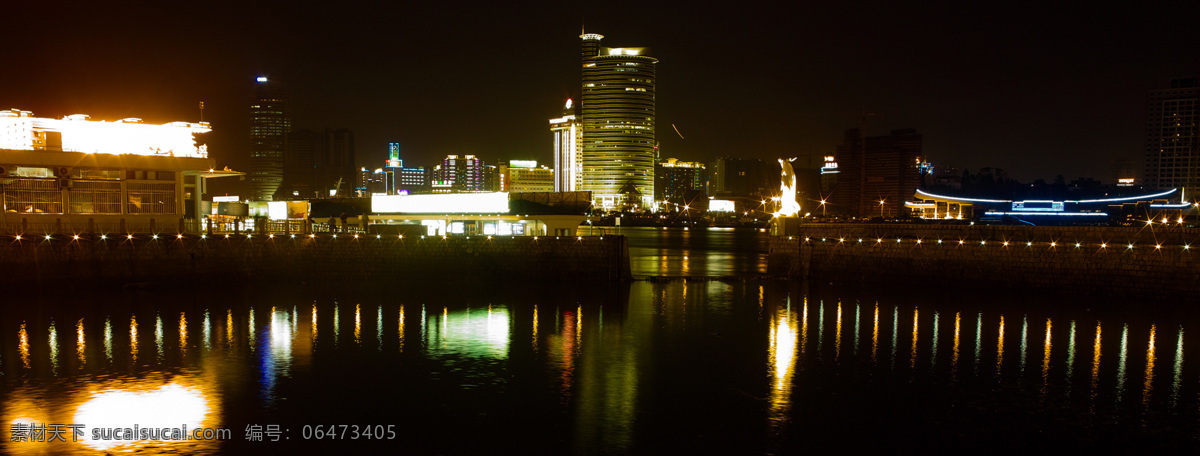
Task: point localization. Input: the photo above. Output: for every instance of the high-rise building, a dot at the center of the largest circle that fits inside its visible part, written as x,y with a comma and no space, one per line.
679,180
876,174
617,107
568,154
459,174
1172,144
269,125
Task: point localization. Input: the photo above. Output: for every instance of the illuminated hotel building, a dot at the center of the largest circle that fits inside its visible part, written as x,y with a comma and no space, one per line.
679,180
568,156
269,126
618,124
525,176
76,174
459,174
1173,137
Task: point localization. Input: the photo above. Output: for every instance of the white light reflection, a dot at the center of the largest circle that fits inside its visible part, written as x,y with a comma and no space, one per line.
170,406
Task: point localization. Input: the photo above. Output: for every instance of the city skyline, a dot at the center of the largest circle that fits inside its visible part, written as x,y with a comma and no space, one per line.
1037,93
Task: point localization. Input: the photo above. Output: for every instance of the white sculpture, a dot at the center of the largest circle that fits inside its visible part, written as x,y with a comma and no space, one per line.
788,207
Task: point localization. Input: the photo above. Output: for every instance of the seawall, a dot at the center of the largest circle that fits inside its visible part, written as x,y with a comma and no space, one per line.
1155,260
214,260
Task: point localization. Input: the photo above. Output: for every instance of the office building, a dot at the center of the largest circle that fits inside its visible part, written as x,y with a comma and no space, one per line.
269,126
525,176
676,180
568,153
1172,150
617,110
876,174
459,174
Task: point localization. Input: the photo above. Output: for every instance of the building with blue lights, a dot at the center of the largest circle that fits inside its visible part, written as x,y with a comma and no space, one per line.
1106,210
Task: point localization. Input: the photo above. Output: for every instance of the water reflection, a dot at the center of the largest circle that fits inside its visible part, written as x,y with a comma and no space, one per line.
588,369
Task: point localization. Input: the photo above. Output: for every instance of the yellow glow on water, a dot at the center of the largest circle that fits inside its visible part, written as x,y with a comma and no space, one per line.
314,321
954,353
1000,348
250,335
229,327
158,336
913,357
1046,357
535,328
53,348
183,334
23,345
875,336
358,323
781,354
169,406
1096,362
79,343
1149,383
837,337
133,339
400,328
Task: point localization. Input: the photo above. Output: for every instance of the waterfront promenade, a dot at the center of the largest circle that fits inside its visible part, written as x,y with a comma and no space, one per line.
1154,260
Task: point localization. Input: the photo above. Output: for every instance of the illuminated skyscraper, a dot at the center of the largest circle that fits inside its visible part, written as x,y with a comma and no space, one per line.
1173,137
568,159
618,124
269,126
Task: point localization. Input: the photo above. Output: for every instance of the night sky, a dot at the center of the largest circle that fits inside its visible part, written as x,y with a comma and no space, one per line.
1038,91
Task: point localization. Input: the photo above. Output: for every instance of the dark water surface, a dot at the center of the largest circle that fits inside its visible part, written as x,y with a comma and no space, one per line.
736,366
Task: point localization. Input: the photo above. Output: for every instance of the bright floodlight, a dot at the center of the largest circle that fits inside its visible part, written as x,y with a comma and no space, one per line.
261,79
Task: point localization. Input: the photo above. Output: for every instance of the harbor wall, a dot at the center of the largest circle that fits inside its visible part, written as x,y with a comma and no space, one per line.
1155,260
118,261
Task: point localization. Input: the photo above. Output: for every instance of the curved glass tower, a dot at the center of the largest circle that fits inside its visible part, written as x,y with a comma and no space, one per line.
617,107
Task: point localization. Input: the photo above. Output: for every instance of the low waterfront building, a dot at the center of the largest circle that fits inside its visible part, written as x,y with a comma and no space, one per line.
80,175
1100,210
488,214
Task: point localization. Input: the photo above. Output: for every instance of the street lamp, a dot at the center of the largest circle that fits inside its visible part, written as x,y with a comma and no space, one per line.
881,201
822,208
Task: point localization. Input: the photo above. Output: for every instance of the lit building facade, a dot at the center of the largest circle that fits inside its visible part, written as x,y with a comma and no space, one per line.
1172,144
269,126
525,176
679,180
75,174
617,107
568,153
459,174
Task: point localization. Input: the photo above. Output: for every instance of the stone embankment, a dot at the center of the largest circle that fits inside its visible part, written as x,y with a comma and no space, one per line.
1156,260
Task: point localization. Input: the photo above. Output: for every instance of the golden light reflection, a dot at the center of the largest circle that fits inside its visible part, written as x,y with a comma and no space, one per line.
133,339
79,343
875,336
1046,357
782,356
837,335
1095,364
250,334
53,349
183,335
535,328
23,345
803,325
912,364
171,406
1000,348
954,354
358,323
400,328
229,327
313,328
337,323
1149,383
